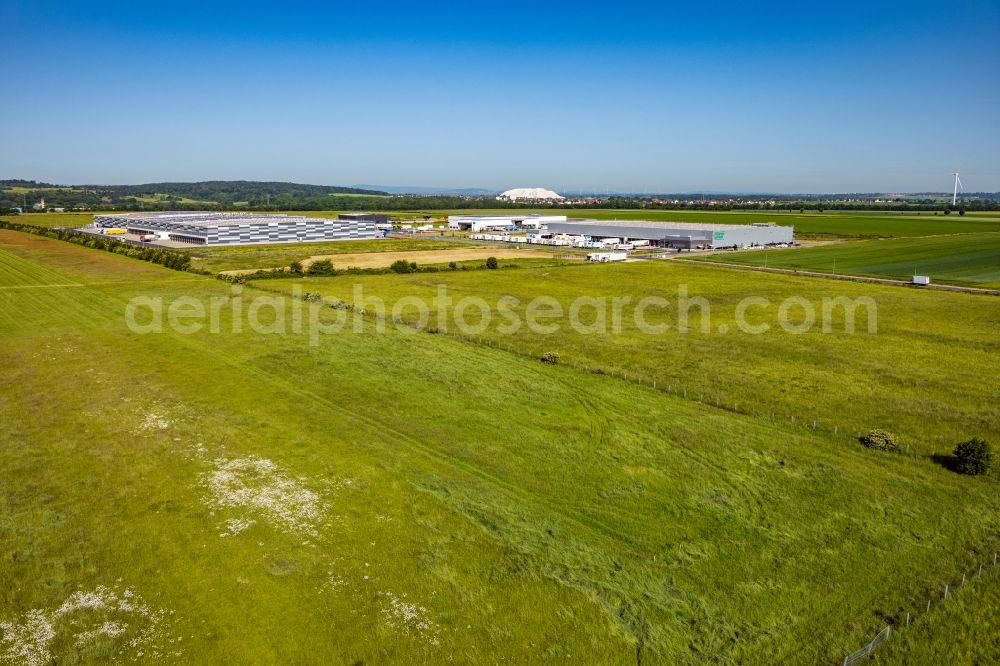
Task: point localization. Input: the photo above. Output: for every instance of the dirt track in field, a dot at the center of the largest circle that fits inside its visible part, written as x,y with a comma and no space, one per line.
385,259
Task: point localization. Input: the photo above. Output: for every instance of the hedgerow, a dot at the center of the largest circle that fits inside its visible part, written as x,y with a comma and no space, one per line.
177,261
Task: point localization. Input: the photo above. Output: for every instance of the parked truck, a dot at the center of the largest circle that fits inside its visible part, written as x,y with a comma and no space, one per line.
603,257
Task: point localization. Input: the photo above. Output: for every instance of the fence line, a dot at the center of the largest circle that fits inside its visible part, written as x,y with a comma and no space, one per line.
860,655
866,650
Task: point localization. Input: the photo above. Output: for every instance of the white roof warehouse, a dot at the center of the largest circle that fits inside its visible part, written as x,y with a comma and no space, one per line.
207,228
678,234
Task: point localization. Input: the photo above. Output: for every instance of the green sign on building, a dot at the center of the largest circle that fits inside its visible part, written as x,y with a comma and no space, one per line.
719,235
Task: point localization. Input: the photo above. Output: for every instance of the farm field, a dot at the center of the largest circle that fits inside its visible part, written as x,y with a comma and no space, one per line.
971,260
420,257
250,497
237,257
894,378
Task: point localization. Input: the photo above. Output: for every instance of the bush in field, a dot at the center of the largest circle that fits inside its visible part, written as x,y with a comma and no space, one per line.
452,266
550,357
295,267
880,440
402,266
973,457
491,263
321,267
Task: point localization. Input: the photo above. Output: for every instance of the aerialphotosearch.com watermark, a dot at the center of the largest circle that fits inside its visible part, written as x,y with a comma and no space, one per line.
301,313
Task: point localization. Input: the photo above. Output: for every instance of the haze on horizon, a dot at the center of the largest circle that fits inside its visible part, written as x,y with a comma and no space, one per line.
840,97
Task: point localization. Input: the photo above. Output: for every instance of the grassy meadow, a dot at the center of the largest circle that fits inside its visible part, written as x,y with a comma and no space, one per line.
905,377
971,260
250,497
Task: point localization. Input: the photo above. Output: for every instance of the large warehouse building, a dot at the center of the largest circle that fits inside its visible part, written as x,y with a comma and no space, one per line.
683,235
207,228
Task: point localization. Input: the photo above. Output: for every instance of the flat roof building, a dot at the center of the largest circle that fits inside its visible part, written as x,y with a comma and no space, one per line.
208,228
683,235
377,218
500,222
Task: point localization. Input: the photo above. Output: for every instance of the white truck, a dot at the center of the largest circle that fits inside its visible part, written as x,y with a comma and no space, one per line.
603,257
921,280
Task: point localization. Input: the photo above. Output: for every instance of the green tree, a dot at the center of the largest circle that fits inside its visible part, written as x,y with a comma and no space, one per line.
491,263
973,457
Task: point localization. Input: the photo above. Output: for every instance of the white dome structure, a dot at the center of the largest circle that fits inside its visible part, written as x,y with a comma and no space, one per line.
530,194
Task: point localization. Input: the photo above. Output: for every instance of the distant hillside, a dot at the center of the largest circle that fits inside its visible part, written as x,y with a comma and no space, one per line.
159,196
419,189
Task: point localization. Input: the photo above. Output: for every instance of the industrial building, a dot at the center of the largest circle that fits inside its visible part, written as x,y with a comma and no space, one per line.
681,235
377,218
208,228
476,223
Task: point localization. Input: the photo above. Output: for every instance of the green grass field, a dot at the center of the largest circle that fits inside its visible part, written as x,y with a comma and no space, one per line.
894,378
971,260
412,497
964,629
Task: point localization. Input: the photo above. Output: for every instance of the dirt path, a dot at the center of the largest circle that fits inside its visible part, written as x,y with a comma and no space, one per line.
849,278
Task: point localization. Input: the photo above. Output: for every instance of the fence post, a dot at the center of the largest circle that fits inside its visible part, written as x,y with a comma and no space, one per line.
907,618
963,580
980,570
946,591
928,606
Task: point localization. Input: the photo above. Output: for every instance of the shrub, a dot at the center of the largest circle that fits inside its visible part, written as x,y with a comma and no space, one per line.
452,266
879,440
321,267
973,457
402,266
295,267
491,263
550,357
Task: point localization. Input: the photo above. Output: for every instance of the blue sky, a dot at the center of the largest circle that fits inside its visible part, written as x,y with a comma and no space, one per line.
787,97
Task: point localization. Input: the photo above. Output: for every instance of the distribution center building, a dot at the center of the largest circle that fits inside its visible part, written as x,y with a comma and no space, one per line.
682,235
208,228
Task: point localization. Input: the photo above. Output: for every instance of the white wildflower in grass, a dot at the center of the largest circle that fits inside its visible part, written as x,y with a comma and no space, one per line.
258,485
26,642
102,614
408,618
234,526
108,629
152,421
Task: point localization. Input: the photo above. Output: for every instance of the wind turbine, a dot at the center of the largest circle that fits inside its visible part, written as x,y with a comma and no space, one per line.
958,184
